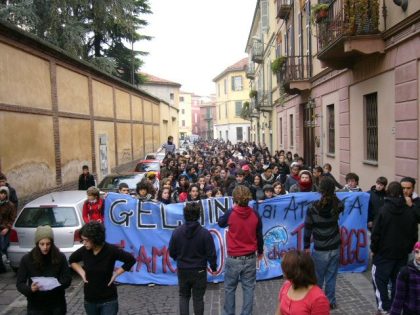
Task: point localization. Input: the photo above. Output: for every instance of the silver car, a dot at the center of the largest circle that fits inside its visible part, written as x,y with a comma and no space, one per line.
61,210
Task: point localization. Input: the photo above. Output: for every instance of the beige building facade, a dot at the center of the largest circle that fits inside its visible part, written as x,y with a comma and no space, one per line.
344,89
58,113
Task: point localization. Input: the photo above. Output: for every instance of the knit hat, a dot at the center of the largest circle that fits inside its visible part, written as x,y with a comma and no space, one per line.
245,167
416,246
43,231
305,172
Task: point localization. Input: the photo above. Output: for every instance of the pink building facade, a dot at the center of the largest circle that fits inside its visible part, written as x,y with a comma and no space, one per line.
362,115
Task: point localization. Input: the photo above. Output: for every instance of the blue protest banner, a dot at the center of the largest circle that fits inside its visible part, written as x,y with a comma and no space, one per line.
144,229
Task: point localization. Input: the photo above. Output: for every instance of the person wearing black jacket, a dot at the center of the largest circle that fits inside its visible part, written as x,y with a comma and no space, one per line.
192,247
393,236
97,273
321,222
377,197
86,179
44,260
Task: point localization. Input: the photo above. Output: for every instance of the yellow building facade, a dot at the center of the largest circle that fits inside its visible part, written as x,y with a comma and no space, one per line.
232,94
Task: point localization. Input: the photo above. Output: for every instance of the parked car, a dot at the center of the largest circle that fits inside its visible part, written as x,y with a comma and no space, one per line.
155,156
61,210
111,182
145,166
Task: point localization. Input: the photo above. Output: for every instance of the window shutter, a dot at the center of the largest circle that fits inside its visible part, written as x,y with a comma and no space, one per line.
264,15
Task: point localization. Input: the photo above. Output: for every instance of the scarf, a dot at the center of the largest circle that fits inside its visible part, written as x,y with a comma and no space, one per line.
416,264
305,186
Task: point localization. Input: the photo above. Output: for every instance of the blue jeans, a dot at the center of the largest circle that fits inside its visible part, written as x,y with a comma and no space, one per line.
105,308
246,271
326,269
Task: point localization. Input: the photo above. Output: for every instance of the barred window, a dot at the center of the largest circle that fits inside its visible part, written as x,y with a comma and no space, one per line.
281,130
331,129
291,131
371,126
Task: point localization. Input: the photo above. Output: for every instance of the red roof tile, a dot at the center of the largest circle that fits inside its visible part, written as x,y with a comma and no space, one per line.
238,66
151,79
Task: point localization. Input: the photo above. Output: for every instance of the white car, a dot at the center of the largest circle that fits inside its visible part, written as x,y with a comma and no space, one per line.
61,210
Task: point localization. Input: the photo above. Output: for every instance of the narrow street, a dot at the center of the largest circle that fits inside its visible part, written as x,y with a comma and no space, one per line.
354,296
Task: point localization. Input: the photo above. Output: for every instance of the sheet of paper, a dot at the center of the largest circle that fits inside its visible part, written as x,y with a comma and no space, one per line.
46,283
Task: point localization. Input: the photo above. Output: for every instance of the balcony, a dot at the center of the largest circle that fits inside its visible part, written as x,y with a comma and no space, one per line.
257,51
283,9
264,102
349,32
295,74
250,71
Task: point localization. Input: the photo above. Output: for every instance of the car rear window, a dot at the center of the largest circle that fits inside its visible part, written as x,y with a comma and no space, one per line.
53,216
112,182
147,167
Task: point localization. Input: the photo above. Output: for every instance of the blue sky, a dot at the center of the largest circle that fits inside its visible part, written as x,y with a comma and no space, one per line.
195,40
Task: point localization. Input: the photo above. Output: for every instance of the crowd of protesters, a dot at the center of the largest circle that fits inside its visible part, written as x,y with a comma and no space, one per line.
245,171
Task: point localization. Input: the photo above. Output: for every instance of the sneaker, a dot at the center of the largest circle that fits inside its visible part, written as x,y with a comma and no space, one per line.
380,312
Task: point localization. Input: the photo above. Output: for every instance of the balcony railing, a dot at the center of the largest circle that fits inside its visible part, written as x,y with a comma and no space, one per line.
283,8
250,71
257,51
295,74
264,102
350,28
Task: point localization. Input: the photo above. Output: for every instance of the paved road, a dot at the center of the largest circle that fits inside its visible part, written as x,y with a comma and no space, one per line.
354,296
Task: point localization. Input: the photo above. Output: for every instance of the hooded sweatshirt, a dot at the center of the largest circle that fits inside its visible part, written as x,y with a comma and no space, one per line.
244,236
394,230
322,224
192,247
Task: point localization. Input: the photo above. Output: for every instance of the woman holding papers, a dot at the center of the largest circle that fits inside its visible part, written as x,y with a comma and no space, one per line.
43,276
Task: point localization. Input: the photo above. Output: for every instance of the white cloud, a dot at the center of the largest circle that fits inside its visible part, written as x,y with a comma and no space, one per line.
195,40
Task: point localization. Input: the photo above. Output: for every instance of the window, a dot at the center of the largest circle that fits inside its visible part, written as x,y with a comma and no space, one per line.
238,108
227,135
183,123
281,130
181,98
291,131
220,134
225,86
226,109
264,15
44,215
239,134
237,83
182,111
220,111
331,129
371,126
171,96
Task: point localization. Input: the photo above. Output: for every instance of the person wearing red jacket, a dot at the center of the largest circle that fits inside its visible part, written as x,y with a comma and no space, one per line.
244,240
93,208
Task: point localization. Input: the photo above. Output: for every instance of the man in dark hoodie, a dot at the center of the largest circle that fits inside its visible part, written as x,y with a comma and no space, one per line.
393,236
243,240
377,198
12,192
192,247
